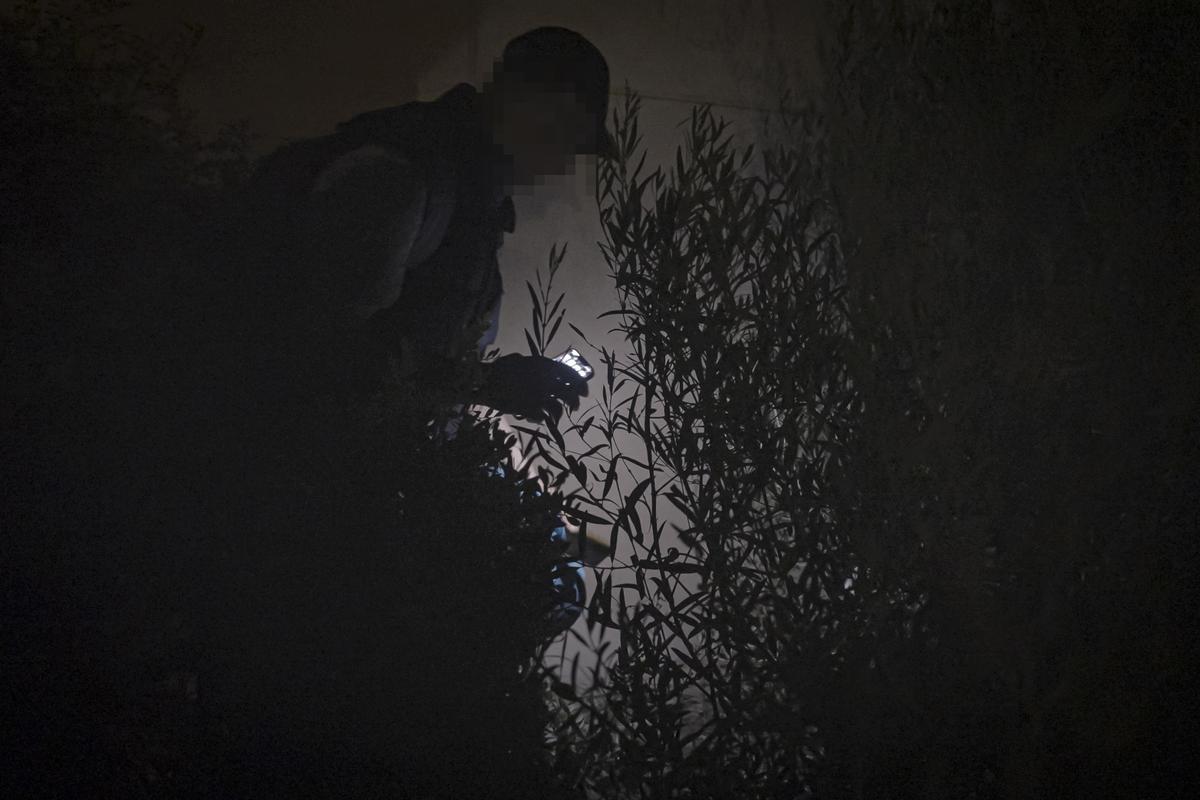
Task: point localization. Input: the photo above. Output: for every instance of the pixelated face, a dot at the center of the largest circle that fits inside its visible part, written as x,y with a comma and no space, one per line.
540,129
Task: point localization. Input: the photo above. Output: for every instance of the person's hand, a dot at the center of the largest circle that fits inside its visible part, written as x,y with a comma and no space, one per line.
534,387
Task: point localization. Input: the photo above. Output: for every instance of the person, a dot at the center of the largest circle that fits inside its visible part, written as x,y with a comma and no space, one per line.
373,251
391,225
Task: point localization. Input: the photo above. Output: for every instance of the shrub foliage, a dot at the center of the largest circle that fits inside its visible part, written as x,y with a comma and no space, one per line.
895,462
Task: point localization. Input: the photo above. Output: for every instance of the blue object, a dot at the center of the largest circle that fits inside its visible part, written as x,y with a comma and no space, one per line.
566,581
570,592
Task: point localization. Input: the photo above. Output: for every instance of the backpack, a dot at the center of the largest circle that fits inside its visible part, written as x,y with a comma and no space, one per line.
454,282
428,133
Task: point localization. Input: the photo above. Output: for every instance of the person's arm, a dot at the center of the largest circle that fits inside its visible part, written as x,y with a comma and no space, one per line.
361,221
533,387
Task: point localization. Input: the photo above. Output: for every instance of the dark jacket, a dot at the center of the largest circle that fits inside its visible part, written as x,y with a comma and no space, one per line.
397,216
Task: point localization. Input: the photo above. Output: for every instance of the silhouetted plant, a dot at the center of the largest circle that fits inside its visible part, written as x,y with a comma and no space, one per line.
896,480
708,457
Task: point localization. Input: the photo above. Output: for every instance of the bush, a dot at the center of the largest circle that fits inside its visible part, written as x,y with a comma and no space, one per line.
710,455
904,512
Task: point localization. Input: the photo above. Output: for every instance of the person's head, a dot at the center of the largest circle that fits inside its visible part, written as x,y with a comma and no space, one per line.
547,102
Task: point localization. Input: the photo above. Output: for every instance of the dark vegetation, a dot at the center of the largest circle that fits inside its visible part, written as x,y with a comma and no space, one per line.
221,580
905,444
900,462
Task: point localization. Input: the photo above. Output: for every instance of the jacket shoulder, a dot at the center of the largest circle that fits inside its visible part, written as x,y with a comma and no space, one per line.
417,128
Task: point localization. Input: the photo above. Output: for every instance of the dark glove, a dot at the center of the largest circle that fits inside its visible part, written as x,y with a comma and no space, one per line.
534,387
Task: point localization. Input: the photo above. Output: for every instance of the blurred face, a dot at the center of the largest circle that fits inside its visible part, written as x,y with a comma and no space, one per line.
540,129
